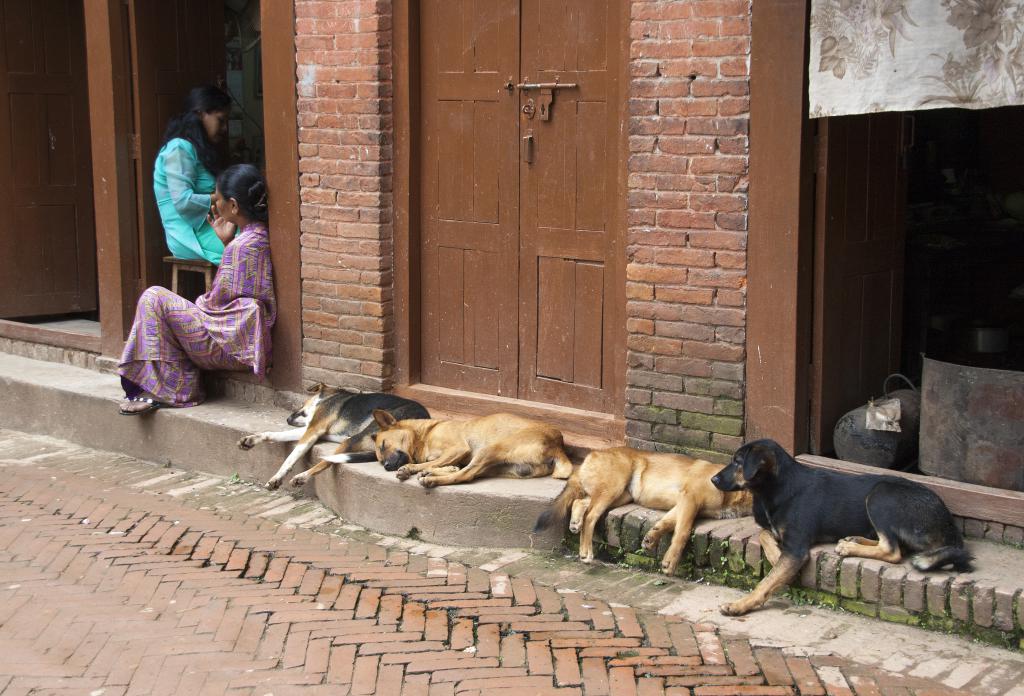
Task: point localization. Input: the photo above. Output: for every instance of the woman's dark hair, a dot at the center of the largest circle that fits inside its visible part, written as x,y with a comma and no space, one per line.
245,184
189,125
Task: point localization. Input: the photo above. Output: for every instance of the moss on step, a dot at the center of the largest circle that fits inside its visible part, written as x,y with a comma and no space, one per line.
723,561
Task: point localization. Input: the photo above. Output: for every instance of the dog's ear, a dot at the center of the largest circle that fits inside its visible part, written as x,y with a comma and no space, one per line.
316,388
384,419
760,461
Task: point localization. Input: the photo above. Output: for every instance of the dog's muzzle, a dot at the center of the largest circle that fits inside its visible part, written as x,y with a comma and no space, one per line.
395,461
722,484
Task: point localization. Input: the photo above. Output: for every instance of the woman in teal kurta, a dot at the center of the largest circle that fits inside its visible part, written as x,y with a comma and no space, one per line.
185,173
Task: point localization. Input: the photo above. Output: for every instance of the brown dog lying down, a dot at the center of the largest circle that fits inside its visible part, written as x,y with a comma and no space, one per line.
673,482
457,451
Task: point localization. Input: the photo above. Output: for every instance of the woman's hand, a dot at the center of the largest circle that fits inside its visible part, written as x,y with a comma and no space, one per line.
225,230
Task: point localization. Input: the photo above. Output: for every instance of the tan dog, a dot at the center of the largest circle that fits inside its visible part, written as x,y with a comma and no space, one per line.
457,451
673,482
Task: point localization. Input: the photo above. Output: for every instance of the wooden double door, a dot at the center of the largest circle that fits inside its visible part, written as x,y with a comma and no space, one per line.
47,236
47,231
521,199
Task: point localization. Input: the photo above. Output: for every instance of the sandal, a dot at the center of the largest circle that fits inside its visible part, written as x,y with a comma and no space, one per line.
148,406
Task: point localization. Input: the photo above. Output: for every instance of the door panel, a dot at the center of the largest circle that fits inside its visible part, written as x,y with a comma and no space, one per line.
568,243
859,240
47,234
469,195
177,45
520,260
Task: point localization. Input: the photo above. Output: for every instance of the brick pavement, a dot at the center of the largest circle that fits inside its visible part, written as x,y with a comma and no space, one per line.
121,577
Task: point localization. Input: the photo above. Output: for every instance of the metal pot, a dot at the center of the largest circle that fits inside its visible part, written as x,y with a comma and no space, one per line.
854,442
988,339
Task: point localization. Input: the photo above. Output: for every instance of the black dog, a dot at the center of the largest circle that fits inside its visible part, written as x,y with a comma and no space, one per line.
870,516
338,416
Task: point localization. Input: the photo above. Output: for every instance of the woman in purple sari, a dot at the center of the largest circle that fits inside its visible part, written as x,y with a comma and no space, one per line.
228,328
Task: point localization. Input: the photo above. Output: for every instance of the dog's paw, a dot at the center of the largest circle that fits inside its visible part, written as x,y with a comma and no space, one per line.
428,481
248,442
668,567
731,609
273,484
649,543
588,558
403,473
846,547
299,480
574,528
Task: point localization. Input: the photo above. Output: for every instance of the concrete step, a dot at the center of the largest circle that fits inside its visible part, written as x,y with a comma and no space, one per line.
81,405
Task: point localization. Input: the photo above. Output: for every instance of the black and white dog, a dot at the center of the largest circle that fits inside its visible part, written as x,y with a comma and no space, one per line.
338,416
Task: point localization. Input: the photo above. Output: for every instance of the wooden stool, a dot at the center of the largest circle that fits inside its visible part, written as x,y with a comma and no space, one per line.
191,266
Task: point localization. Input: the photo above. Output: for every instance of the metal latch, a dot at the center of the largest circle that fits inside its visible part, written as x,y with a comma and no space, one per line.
547,95
544,104
528,147
527,86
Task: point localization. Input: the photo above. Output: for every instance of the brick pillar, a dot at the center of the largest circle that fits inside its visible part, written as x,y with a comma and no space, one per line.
687,238
343,58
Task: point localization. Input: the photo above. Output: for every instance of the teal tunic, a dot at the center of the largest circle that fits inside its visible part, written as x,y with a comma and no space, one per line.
183,186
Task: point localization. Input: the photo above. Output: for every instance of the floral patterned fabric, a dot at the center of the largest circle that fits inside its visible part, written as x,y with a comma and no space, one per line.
903,55
228,328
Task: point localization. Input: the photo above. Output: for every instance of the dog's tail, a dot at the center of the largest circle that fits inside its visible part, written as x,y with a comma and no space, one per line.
943,556
560,506
351,458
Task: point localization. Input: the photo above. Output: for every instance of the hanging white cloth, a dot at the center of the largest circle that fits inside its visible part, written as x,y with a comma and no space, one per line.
904,55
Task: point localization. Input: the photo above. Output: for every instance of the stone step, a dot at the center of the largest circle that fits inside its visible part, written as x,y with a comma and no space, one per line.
81,405
986,604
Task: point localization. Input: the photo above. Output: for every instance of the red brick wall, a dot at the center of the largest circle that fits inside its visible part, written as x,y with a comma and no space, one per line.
686,274
687,186
343,58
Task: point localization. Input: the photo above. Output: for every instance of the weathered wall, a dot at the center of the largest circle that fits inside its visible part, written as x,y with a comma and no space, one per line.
687,184
686,278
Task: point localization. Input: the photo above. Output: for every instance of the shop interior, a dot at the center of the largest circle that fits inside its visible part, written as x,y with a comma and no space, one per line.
964,272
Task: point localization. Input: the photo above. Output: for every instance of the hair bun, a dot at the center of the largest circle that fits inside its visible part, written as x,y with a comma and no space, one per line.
258,195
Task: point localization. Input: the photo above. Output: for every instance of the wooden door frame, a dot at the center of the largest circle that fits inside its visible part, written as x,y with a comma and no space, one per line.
109,73
110,84
780,239
281,145
406,234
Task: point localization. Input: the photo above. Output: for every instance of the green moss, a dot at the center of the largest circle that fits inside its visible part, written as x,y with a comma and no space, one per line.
726,425
864,608
898,615
637,561
728,407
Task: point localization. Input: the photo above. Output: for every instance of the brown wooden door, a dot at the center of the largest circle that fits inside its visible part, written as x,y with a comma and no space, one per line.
520,260
47,234
176,45
859,247
569,312
469,206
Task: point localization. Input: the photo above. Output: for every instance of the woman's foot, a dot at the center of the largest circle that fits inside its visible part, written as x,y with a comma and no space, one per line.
138,405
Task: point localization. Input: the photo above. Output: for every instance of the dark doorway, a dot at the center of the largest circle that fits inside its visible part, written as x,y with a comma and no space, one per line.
964,299
243,80
919,249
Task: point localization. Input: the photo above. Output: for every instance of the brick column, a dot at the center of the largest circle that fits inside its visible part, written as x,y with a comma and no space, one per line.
687,238
343,58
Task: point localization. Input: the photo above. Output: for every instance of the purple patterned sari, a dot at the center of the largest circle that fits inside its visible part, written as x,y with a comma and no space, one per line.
228,328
